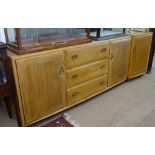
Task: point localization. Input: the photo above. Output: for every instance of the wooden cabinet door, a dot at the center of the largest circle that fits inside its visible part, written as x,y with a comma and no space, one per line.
139,55
119,60
42,85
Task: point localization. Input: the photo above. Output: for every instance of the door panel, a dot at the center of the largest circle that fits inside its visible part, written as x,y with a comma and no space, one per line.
139,54
42,85
119,60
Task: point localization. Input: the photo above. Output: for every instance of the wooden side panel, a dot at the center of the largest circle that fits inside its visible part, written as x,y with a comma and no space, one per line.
86,89
86,54
140,52
86,72
119,60
42,85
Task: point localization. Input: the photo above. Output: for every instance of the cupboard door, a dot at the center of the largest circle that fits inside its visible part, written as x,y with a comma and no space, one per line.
42,85
119,60
141,46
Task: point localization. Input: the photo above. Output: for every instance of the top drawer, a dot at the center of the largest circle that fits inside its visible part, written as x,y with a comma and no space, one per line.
86,54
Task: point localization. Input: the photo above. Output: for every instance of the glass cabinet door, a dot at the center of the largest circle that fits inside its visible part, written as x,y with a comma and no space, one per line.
105,32
34,36
11,33
28,40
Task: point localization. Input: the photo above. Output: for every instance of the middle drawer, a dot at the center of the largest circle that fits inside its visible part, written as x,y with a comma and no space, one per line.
86,72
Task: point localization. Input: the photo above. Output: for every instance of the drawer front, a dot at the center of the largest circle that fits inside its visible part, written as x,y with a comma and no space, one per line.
86,54
86,72
84,90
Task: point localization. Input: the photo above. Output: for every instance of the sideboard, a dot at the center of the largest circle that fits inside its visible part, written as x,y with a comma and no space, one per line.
51,81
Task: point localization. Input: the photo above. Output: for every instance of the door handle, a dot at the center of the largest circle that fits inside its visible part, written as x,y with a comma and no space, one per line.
103,66
61,71
111,57
103,49
74,57
75,94
102,83
74,76
134,50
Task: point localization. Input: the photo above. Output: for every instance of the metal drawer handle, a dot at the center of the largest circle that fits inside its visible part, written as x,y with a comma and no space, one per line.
103,66
74,57
75,94
104,49
74,76
102,83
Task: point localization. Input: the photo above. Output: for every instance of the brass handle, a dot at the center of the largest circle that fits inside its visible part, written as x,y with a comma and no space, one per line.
103,49
74,57
75,94
102,83
111,57
103,66
134,50
74,76
61,71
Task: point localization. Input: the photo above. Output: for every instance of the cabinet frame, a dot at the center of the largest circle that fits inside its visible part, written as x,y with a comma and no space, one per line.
19,49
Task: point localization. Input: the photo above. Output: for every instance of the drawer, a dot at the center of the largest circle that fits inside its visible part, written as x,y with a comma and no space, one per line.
86,89
86,54
86,72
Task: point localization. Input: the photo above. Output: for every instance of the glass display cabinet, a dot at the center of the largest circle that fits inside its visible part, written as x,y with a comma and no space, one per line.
131,30
105,33
27,40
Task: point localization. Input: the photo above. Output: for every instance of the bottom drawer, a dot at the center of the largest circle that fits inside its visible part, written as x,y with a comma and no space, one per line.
86,89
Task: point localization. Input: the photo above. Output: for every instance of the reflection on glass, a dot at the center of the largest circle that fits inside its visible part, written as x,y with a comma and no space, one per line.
2,71
12,36
105,32
33,36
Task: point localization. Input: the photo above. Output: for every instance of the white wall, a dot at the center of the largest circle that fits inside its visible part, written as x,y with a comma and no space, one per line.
2,36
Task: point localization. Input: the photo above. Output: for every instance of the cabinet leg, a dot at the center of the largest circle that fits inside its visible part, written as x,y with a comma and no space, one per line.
8,105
